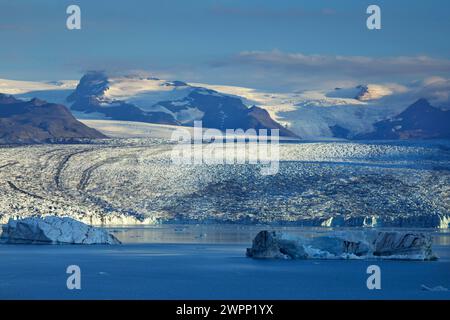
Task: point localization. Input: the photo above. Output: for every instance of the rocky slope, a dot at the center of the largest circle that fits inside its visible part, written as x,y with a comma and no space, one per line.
419,121
38,121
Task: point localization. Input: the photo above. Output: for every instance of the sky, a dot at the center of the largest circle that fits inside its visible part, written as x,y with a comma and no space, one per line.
267,44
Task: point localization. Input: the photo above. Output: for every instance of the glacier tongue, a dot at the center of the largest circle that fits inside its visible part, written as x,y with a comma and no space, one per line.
54,230
394,245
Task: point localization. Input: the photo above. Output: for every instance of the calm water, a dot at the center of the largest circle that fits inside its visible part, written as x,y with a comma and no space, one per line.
232,233
208,262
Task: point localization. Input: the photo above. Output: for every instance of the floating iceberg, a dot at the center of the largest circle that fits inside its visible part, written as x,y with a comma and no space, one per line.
344,245
54,230
435,289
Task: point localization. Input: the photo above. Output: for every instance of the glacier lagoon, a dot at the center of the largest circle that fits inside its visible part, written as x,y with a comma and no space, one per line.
186,228
209,262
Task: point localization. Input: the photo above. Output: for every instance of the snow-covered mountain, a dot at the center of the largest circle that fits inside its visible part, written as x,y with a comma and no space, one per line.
344,112
419,121
362,92
93,96
313,114
52,91
351,112
152,100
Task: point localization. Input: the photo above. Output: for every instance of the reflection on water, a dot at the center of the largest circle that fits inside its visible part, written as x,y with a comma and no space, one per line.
231,233
244,234
187,233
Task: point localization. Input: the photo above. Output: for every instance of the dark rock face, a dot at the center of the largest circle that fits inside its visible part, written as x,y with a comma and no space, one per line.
419,121
262,120
88,97
176,83
225,112
92,84
37,121
340,132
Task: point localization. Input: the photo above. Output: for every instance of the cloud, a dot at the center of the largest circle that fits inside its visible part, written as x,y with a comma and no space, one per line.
436,89
311,70
347,65
267,13
13,27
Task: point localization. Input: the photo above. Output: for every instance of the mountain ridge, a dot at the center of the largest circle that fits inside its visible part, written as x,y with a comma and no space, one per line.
167,102
346,112
419,121
37,121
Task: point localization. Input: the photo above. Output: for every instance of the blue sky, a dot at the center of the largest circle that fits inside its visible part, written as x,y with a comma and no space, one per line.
263,44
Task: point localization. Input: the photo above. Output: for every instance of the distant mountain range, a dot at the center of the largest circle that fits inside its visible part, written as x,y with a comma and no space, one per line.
419,121
37,121
369,111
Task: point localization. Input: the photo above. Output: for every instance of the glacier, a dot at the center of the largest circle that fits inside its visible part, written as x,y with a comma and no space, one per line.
133,181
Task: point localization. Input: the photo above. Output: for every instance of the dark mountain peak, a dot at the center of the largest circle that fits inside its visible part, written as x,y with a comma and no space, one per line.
94,75
418,109
88,97
37,102
257,110
7,99
259,118
92,84
340,132
37,121
422,103
176,83
419,121
216,110
204,91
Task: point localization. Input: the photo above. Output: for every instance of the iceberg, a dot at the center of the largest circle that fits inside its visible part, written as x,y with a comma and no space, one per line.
435,289
394,245
54,230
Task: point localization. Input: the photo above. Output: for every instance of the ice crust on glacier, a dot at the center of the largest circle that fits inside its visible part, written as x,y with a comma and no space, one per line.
134,182
393,245
54,230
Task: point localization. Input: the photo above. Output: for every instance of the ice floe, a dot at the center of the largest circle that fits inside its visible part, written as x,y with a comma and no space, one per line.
54,230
